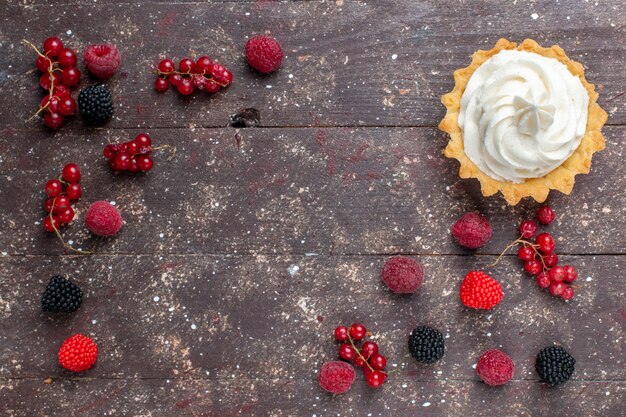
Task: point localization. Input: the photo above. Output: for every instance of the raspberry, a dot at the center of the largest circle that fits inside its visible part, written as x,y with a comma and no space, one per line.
472,230
545,215
555,365
264,54
78,353
402,275
336,377
103,219
61,295
426,344
479,290
102,60
495,367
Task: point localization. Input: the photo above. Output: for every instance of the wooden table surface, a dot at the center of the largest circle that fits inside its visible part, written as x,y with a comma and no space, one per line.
241,255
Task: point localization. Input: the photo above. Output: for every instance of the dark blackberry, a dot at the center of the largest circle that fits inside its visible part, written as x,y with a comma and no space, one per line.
555,365
426,344
61,295
95,104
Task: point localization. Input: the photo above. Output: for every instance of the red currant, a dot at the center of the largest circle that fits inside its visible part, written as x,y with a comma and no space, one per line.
145,163
346,352
378,361
533,267
109,151
359,362
341,333
132,147
161,84
557,274
570,273
67,58
526,253
67,106
134,165
204,64
167,65
186,65
53,120
66,216
175,79
143,140
121,162
358,331
375,379
70,76
185,87
42,63
550,259
545,242
369,348
567,294
543,280
527,229
48,205
71,173
545,215
211,86
74,191
52,46
199,81
54,188
61,204
45,81
51,104
557,288
61,91
50,224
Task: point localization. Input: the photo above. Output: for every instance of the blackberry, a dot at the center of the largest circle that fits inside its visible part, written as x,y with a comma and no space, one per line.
95,104
61,295
426,344
555,365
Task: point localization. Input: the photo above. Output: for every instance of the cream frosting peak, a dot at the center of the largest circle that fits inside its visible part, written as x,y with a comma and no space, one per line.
522,115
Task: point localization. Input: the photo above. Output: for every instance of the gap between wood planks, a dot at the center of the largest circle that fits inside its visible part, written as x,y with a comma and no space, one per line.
284,254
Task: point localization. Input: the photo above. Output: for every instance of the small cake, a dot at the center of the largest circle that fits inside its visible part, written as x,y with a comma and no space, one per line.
523,120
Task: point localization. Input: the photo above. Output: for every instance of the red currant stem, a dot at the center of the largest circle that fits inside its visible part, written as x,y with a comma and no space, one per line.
208,76
58,233
545,268
50,74
171,149
513,244
358,352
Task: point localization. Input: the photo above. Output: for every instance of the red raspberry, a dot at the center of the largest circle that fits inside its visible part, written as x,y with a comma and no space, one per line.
102,60
472,230
78,353
545,215
264,54
479,290
402,275
495,367
103,219
336,377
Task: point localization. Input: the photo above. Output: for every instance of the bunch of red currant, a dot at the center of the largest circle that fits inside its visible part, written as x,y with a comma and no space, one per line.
58,65
367,357
539,257
133,156
203,74
61,192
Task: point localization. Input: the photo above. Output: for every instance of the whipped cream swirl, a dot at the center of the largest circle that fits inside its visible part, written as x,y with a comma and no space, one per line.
522,115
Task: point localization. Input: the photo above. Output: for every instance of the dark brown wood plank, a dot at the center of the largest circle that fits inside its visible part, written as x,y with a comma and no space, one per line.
340,191
392,71
272,317
261,397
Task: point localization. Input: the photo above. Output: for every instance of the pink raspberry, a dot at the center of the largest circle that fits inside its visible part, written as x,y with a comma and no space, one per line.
102,60
336,377
103,219
495,367
472,230
402,275
264,54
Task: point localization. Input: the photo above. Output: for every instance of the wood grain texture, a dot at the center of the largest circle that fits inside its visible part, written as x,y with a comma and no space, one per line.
335,190
359,64
240,256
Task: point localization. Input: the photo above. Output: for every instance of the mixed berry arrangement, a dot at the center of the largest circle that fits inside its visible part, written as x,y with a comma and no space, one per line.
203,74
